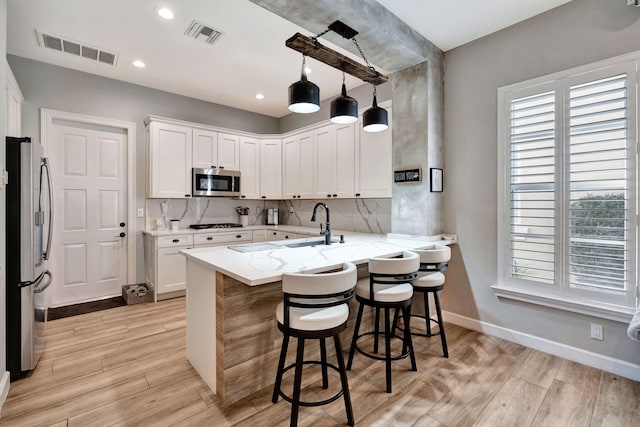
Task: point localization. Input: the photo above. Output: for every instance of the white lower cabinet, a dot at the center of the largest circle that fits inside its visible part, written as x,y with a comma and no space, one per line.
166,267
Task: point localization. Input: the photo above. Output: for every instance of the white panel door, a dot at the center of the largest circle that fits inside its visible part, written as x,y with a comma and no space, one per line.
205,149
89,258
271,169
249,168
228,152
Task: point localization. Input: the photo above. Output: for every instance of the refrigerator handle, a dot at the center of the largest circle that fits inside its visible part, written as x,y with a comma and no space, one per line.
45,165
39,289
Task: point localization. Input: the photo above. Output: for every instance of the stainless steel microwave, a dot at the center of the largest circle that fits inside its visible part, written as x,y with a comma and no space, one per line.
215,182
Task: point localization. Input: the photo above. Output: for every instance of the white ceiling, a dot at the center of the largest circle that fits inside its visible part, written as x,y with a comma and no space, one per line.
249,57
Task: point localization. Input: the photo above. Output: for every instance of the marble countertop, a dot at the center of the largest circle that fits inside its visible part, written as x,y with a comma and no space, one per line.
285,228
261,267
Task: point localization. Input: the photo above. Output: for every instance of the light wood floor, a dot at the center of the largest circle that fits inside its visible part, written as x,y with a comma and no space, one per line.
127,366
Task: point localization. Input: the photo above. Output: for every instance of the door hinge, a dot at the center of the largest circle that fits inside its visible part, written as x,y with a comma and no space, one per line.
4,178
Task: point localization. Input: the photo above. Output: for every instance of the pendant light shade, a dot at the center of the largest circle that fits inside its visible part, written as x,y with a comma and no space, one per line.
375,119
344,109
304,96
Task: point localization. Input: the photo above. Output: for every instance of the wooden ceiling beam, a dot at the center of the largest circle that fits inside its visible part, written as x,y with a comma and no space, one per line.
312,48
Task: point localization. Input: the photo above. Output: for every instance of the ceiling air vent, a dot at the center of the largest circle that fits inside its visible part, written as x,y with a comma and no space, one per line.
202,32
76,48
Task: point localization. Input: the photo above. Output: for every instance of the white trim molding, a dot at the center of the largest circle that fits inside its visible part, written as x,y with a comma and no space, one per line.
599,309
47,118
4,388
595,360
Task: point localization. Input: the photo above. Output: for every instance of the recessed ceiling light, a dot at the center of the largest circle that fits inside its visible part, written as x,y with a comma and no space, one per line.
164,12
259,96
138,63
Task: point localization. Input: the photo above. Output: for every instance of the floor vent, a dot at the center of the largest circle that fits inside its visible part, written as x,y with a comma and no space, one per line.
202,32
76,48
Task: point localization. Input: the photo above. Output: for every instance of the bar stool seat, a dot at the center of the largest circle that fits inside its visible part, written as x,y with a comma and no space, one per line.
382,293
429,281
314,306
389,286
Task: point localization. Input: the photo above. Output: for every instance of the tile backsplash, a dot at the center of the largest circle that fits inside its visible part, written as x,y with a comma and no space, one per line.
362,215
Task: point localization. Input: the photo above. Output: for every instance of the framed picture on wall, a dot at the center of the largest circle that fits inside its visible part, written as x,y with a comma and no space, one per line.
436,180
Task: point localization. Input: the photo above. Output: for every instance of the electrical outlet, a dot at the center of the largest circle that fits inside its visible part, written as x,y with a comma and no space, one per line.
140,213
597,332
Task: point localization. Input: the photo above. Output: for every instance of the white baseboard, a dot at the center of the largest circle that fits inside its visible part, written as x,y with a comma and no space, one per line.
595,360
4,388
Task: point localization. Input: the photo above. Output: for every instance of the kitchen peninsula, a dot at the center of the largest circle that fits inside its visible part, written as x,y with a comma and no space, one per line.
232,294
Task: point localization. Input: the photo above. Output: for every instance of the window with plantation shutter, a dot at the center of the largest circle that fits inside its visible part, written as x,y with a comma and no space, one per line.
567,191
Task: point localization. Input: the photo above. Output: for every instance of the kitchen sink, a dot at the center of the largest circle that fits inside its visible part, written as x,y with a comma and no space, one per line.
308,243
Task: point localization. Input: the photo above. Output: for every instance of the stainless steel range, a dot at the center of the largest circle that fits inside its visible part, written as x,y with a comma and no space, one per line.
221,225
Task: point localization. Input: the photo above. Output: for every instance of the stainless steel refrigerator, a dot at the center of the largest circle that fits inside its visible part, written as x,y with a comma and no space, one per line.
29,216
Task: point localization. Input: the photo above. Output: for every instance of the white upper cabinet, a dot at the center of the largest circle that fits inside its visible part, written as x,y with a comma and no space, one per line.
270,169
249,168
374,159
170,160
215,150
298,166
228,151
14,104
335,156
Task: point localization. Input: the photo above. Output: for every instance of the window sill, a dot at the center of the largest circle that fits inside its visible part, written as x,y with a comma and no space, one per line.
604,311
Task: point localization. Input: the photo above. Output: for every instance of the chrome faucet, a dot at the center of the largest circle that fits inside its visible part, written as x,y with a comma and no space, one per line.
327,231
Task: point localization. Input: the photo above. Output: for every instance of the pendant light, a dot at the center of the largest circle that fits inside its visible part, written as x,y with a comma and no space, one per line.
304,96
344,109
375,119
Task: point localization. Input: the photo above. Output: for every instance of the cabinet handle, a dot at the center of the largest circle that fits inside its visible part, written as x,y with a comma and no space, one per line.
335,195
286,237
357,194
213,167
275,233
220,167
263,197
209,238
176,240
328,195
187,195
238,236
242,197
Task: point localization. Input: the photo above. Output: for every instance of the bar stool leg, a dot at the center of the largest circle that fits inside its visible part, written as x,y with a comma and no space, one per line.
355,336
387,344
297,381
427,315
441,325
343,379
323,361
283,356
406,312
377,331
395,322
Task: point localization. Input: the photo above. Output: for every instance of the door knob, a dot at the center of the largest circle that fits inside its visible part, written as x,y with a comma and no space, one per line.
122,224
123,234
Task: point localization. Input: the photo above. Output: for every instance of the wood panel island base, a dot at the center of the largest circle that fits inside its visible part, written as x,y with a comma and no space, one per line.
232,338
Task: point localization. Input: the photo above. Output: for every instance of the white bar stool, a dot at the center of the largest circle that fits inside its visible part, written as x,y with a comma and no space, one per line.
433,260
388,287
314,306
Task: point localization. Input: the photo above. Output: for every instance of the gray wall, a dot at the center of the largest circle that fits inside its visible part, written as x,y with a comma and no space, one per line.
3,133
577,33
49,86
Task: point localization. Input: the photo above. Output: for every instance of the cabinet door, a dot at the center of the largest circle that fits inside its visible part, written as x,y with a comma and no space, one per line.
249,168
345,149
325,162
172,270
228,151
374,155
170,157
205,148
291,168
307,166
271,169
